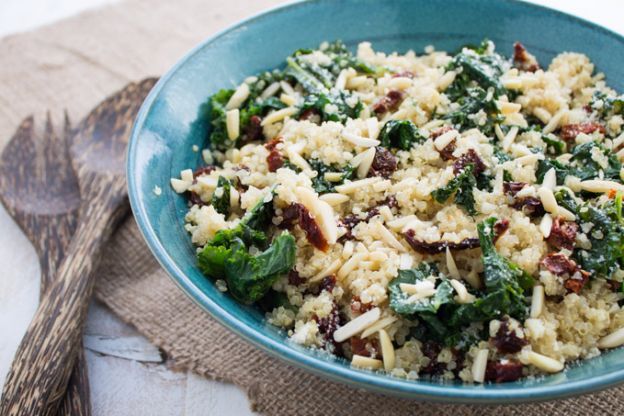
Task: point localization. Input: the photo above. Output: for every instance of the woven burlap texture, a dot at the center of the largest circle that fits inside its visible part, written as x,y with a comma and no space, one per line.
76,63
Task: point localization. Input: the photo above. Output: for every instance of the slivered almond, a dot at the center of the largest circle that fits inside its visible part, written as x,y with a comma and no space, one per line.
537,302
238,98
334,199
548,200
567,215
450,265
232,123
509,108
463,296
270,91
389,238
357,325
287,88
550,179
366,162
289,100
322,212
350,265
372,125
512,83
479,365
179,185
445,139
544,363
419,290
341,81
359,140
329,270
355,185
366,362
382,323
333,176
600,186
187,175
387,350
554,122
278,115
546,225
614,339
509,138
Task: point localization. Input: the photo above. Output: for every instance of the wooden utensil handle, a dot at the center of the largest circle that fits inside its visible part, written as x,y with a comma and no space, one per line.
45,358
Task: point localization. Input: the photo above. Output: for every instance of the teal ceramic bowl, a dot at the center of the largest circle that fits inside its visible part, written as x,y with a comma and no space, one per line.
170,123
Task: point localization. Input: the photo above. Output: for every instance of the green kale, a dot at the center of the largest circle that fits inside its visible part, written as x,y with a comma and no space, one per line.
462,186
249,277
228,255
476,88
606,254
400,134
472,102
318,81
582,164
554,146
504,281
323,186
221,203
399,300
607,106
331,106
218,137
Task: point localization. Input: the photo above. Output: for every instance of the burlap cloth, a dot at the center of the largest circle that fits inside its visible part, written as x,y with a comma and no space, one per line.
74,64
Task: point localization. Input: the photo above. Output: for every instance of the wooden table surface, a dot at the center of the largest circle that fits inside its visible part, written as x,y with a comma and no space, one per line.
128,375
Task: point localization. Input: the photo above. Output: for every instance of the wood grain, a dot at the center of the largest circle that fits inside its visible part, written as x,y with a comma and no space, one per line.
42,366
35,168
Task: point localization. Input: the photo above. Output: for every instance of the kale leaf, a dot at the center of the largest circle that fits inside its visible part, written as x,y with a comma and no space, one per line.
504,281
400,134
322,185
249,277
606,235
221,202
218,137
582,164
607,106
228,255
462,186
476,88
399,299
554,146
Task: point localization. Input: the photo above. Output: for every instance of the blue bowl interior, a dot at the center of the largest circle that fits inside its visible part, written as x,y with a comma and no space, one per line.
171,121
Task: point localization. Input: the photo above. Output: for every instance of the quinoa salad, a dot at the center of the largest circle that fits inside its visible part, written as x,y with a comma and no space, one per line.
446,215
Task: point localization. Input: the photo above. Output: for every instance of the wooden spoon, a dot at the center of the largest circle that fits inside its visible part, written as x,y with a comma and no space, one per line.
36,168
45,358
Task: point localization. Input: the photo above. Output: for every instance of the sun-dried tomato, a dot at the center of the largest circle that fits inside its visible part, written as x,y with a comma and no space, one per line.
503,371
384,163
559,264
358,307
389,102
470,157
405,74
570,131
524,60
577,281
296,213
530,206
562,234
506,340
253,130
512,188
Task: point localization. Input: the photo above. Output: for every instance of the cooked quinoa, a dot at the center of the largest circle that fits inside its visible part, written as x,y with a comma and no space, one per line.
436,215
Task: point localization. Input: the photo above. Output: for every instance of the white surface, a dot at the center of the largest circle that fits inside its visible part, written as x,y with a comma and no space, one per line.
127,375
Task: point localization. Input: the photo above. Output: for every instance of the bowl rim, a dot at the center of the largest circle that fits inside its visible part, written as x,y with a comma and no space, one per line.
345,375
